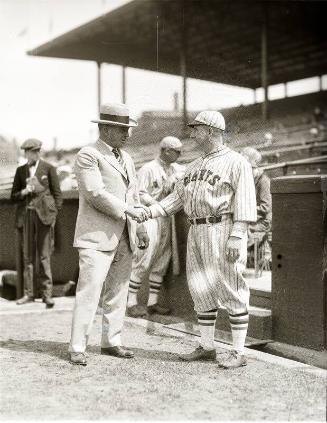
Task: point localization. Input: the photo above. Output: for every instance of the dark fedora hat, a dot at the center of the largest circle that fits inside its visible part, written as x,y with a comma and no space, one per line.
115,114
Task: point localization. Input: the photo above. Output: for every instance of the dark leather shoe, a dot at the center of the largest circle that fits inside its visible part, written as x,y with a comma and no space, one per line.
157,309
199,354
49,302
78,358
24,300
136,311
117,352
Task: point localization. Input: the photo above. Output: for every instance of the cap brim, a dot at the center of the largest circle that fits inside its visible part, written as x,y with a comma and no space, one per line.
30,148
132,123
195,123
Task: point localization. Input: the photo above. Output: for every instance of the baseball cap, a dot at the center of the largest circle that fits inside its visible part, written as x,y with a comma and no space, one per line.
31,144
253,156
171,142
209,118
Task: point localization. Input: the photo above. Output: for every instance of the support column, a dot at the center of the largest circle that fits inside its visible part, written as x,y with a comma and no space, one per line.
285,90
183,64
264,60
99,85
124,84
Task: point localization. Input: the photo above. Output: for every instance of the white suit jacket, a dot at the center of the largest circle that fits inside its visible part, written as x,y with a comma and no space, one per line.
105,191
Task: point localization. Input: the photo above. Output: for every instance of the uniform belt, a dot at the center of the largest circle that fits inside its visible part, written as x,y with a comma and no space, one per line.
205,220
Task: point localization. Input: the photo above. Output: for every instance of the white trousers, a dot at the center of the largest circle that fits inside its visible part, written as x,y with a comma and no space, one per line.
154,260
110,269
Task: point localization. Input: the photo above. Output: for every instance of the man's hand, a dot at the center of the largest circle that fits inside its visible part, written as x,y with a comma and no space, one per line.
143,239
138,213
233,248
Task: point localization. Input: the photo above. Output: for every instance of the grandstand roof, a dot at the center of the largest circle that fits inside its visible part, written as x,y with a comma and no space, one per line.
222,39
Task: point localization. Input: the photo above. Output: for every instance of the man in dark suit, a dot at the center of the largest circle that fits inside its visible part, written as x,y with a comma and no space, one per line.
36,191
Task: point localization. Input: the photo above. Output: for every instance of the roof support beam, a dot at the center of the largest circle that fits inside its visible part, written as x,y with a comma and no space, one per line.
183,64
99,93
264,60
123,88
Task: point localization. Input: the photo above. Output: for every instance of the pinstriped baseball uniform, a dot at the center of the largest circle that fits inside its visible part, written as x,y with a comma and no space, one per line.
217,184
154,183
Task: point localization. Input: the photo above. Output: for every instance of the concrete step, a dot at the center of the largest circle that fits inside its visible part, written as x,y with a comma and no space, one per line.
260,288
260,298
260,322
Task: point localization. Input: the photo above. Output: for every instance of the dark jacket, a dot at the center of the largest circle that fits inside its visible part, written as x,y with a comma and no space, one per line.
263,195
46,203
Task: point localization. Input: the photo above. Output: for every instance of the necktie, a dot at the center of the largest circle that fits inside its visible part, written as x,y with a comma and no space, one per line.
117,155
120,160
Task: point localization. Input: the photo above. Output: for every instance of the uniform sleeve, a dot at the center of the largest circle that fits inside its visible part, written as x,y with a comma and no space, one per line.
55,187
91,186
174,201
144,182
244,200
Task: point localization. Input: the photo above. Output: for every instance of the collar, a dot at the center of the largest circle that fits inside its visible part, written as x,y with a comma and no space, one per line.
105,145
219,149
163,163
36,164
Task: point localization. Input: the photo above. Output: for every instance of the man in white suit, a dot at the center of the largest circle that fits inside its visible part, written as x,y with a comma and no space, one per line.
106,233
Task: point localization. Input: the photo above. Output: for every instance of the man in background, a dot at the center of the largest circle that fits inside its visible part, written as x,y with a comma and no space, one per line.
38,196
156,180
262,226
262,189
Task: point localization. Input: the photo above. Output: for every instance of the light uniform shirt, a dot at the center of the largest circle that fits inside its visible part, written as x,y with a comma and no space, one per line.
216,184
156,180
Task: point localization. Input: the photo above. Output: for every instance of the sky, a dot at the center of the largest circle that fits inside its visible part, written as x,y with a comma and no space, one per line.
55,99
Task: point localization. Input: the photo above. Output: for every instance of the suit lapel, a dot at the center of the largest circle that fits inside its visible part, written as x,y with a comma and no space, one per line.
39,169
111,159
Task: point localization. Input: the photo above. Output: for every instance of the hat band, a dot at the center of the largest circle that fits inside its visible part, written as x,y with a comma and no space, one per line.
114,118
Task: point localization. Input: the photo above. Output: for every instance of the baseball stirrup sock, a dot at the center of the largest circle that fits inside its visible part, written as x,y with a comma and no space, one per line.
132,292
154,292
207,322
239,325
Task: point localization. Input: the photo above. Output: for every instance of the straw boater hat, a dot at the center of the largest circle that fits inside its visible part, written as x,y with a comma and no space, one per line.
115,114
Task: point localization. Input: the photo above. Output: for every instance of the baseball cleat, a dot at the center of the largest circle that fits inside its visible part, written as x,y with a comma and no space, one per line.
136,311
199,354
233,360
157,309
78,358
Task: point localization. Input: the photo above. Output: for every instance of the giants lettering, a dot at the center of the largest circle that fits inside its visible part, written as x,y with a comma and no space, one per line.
205,175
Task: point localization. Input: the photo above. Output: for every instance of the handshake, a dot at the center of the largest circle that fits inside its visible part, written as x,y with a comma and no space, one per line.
139,213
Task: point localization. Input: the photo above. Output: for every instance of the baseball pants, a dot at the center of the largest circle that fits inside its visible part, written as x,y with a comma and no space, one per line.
155,259
213,280
97,268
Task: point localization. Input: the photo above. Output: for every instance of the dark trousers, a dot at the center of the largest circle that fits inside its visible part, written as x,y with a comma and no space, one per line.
36,255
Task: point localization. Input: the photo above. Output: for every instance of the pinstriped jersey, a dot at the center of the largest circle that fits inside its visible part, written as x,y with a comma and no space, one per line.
156,179
219,183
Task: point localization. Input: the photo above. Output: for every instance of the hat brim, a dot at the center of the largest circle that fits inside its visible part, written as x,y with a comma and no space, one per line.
31,148
132,123
195,123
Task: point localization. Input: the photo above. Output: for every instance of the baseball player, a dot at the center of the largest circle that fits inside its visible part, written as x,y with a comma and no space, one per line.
156,180
218,196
